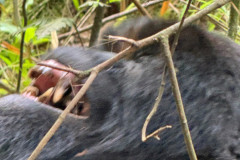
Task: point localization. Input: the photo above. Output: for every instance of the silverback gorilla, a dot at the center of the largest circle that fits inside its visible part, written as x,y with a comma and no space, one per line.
122,96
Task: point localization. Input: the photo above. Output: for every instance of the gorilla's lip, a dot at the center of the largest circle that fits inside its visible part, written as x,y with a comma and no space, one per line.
56,109
54,87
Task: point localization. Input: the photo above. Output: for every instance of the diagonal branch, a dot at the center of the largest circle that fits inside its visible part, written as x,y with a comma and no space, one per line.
141,9
178,99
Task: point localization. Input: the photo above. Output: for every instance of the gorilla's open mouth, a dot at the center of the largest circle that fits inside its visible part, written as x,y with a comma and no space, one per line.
55,87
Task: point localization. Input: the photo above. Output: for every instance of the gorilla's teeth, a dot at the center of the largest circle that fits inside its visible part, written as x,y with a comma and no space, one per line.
58,94
31,90
46,96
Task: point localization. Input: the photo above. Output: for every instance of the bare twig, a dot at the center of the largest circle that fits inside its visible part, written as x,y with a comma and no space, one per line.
82,21
156,133
172,29
141,9
178,99
222,26
123,5
54,40
80,74
127,40
175,41
78,34
219,24
161,88
236,8
81,153
86,16
111,18
154,109
21,48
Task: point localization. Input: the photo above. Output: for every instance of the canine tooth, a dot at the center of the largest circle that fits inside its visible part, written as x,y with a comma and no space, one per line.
60,89
45,97
31,90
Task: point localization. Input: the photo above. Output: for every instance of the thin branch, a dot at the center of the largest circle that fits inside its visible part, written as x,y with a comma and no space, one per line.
214,21
127,40
173,29
162,86
178,99
155,107
123,5
235,7
81,23
175,41
80,74
155,134
78,34
21,48
141,9
81,153
111,18
219,24
86,16
54,40
176,90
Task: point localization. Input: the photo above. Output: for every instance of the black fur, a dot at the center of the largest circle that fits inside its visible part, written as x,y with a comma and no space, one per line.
192,38
122,96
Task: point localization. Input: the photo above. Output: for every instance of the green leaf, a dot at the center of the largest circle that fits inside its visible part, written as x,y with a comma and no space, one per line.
54,25
26,82
8,27
29,3
41,40
205,3
76,4
92,4
211,27
29,34
3,92
113,1
6,60
8,57
28,64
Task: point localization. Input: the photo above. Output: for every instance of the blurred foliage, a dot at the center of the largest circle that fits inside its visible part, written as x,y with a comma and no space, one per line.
45,16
